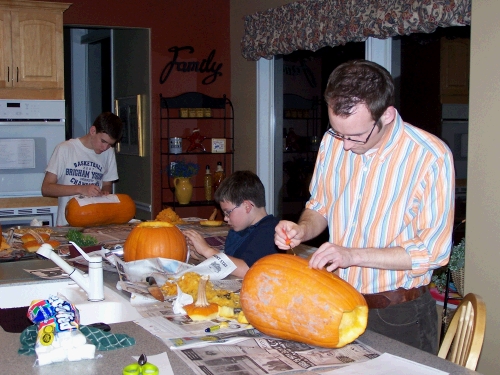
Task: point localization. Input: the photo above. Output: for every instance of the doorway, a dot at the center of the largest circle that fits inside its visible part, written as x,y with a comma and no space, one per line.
414,62
101,65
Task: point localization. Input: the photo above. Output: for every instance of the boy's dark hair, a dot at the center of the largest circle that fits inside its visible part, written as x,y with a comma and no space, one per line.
241,186
360,82
110,124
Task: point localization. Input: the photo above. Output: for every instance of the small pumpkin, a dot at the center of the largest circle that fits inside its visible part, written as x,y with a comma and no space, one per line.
155,239
283,297
96,214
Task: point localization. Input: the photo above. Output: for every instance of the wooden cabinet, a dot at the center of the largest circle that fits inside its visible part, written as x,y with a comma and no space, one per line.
31,47
213,118
454,82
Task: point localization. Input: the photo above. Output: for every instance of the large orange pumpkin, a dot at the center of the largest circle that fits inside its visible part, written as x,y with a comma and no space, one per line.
284,298
96,214
155,239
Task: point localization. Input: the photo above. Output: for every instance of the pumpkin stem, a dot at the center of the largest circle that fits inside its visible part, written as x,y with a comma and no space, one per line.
201,300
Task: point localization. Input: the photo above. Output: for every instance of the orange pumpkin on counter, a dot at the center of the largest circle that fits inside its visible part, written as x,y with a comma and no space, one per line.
96,214
284,298
155,239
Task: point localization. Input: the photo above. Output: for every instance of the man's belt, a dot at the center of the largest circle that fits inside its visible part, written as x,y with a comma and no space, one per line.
394,297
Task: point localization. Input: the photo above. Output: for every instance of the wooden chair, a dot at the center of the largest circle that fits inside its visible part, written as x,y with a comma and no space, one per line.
464,337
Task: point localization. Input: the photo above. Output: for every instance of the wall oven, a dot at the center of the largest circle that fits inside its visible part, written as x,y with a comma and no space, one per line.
29,132
24,216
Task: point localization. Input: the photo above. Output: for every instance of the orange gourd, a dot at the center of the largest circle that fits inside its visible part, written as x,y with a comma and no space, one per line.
100,213
284,298
155,239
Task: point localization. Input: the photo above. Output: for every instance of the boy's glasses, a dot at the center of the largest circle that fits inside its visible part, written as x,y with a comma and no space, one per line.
227,213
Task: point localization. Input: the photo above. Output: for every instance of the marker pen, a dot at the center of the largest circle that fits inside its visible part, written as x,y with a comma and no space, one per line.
213,328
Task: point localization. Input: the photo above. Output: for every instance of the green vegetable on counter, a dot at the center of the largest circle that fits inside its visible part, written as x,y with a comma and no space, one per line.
81,239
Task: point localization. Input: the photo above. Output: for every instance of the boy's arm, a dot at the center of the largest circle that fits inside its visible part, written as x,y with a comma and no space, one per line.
50,188
201,247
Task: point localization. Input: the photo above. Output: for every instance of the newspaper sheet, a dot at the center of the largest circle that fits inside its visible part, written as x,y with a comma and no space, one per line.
272,356
161,320
388,364
217,267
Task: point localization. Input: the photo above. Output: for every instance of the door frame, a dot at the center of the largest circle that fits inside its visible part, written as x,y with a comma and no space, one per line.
269,122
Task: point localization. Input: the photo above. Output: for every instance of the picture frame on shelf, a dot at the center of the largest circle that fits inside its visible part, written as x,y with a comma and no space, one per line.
129,110
218,145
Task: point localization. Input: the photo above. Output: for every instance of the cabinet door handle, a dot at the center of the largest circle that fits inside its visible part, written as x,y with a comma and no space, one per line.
17,72
8,74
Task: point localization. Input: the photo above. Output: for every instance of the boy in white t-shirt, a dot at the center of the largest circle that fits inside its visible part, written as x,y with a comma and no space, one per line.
84,166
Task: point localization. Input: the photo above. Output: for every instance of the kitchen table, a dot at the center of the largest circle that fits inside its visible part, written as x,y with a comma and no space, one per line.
112,362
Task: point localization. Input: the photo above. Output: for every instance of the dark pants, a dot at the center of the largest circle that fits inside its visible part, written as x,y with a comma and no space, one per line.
414,323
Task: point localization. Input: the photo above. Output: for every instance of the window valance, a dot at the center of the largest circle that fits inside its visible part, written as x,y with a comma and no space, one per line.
313,24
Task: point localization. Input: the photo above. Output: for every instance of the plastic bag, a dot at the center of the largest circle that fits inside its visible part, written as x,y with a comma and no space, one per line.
59,337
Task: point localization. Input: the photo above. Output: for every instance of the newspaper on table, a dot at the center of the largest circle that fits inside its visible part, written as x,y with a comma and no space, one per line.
217,267
133,274
272,356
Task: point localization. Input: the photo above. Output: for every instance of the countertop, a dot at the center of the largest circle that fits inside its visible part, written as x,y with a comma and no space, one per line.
112,362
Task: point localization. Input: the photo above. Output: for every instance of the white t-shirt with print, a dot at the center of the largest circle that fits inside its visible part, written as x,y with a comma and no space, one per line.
75,164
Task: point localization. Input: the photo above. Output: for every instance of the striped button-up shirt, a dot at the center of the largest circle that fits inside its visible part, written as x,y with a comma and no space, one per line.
401,194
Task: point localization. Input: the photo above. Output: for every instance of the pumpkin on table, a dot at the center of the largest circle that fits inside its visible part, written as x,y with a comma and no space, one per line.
155,239
284,298
96,214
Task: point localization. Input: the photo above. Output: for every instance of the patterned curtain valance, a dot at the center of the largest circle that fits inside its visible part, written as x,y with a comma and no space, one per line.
313,24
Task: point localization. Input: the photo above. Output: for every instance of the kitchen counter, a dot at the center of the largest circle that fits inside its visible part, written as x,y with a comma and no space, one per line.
112,362
27,202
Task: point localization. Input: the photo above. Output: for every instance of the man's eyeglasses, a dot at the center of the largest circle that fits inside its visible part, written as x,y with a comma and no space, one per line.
227,213
333,133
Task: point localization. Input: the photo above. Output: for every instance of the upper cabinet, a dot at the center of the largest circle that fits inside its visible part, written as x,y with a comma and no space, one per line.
455,56
31,48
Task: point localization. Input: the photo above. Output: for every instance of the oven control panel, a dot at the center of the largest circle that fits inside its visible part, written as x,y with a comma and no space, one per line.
31,109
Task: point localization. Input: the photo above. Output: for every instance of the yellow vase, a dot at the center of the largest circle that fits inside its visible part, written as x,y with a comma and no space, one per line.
183,189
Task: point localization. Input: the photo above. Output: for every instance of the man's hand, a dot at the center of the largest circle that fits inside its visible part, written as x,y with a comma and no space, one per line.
287,234
331,256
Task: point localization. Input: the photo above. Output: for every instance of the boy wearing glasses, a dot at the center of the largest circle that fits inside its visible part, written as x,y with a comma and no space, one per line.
84,166
385,190
242,199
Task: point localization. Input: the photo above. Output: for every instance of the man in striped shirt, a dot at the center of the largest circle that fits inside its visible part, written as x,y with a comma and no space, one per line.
385,189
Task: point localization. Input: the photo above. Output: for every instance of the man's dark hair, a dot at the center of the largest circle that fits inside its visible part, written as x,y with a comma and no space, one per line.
110,124
241,186
360,82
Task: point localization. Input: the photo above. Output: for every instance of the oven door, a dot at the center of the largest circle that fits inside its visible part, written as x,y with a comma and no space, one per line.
25,149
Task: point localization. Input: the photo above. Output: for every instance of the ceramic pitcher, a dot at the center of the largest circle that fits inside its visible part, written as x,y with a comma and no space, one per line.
183,189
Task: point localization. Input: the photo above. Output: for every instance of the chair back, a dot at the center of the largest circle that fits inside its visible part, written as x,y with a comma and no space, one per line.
464,337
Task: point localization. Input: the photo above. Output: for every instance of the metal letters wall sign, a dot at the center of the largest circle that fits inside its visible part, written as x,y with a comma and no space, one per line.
205,66
129,110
